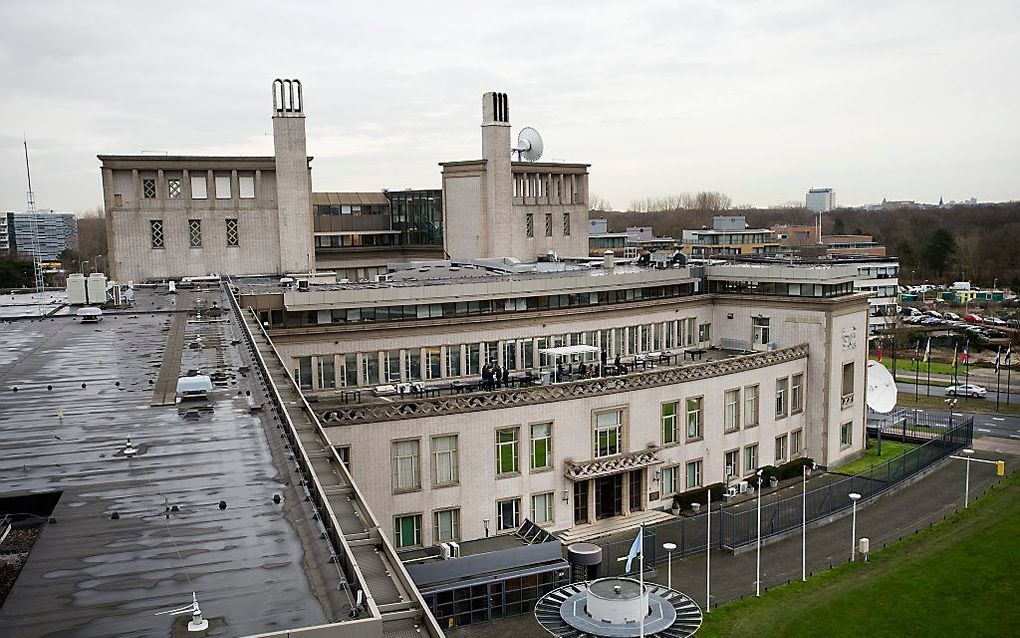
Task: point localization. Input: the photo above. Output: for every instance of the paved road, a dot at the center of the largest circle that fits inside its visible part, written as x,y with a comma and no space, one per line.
907,392
1006,426
883,520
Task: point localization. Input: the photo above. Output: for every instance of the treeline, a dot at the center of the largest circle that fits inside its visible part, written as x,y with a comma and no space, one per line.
976,243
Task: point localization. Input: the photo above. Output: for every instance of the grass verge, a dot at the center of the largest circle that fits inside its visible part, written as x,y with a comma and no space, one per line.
890,450
938,403
958,578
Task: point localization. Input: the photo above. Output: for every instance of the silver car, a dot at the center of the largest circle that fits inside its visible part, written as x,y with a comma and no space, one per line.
968,390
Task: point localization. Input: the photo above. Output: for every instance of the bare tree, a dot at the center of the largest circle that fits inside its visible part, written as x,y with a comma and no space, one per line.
595,202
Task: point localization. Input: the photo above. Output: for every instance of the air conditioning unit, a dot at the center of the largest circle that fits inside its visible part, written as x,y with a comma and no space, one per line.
742,487
454,549
731,491
444,551
771,346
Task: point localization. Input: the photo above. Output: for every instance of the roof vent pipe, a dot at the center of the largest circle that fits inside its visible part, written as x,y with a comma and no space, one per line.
609,261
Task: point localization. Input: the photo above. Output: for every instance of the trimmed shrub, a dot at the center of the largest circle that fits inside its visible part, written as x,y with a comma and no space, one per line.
683,501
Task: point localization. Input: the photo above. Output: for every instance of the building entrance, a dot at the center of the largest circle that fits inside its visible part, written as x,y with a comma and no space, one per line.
608,496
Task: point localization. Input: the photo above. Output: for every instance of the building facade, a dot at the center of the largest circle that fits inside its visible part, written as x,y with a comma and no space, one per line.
820,200
495,207
49,234
782,376
730,236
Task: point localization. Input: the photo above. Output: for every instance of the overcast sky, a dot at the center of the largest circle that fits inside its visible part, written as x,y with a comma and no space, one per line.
759,100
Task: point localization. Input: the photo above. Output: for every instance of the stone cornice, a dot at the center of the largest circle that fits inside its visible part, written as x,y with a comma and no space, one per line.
583,470
411,408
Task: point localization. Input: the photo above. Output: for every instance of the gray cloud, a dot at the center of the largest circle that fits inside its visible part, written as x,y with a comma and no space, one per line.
759,99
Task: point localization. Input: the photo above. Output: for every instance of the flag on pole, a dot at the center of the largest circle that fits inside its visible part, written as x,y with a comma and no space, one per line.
878,354
998,355
964,355
927,351
1009,355
954,356
635,549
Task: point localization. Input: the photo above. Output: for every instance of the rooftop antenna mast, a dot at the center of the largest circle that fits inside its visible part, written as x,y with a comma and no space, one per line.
37,272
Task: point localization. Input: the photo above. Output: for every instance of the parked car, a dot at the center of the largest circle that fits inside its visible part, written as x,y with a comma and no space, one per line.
912,319
973,319
950,316
995,334
909,311
930,321
969,390
995,321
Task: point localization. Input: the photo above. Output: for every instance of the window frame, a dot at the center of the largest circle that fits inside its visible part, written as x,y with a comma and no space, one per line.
548,447
782,451
699,414
454,513
500,527
453,455
797,393
515,448
204,190
735,425
157,234
698,465
618,427
736,465
549,508
395,461
782,398
668,423
233,232
755,399
755,460
846,435
149,190
668,481
397,530
194,233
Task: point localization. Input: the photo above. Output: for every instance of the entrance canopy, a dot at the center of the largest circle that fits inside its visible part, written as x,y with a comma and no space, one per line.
566,351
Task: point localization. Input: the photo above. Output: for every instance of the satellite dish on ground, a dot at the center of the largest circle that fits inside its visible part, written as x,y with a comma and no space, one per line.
529,145
881,388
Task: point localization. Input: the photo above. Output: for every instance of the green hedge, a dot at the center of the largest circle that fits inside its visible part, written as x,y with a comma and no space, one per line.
791,469
684,501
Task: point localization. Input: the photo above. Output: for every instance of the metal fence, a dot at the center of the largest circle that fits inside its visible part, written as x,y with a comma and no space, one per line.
737,525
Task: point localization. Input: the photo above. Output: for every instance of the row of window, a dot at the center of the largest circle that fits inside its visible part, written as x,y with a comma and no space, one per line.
786,446
481,307
529,225
445,459
781,289
158,239
351,209
454,361
446,522
560,187
200,187
354,239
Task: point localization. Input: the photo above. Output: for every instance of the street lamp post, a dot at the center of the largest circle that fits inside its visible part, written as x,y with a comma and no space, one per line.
854,496
803,522
757,560
669,547
966,481
708,556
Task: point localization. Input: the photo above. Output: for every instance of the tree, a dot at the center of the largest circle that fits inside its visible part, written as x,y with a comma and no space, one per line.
838,225
938,251
596,202
15,274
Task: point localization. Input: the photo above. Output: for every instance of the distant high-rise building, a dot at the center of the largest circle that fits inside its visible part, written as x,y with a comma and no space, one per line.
51,233
820,200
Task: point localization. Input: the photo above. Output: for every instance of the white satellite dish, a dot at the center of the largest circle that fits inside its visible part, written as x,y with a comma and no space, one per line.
529,145
881,388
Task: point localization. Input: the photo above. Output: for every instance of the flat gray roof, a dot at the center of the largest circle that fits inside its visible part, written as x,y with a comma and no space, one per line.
89,575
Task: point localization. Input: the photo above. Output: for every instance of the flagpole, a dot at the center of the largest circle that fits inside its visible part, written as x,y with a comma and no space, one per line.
966,369
998,376
927,356
641,580
708,558
1009,369
917,371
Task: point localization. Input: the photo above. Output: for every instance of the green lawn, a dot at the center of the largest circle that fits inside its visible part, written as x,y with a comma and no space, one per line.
937,401
958,578
907,365
890,449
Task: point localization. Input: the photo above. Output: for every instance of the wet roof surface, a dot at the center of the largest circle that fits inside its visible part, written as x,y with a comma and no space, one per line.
88,575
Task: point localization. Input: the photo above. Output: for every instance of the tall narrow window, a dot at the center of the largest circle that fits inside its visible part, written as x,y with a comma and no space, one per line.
541,446
694,474
529,225
760,330
731,463
846,436
669,423
327,375
704,332
195,233
406,469
795,443
731,400
669,480
548,224
173,188
149,188
750,458
199,187
796,393
445,469
566,224
156,233
848,384
782,386
233,238
507,451
750,405
781,448
695,417
452,361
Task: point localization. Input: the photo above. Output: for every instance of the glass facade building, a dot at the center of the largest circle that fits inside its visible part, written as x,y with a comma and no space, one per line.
418,215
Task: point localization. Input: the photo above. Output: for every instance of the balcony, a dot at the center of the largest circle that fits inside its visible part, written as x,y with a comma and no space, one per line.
432,402
848,401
